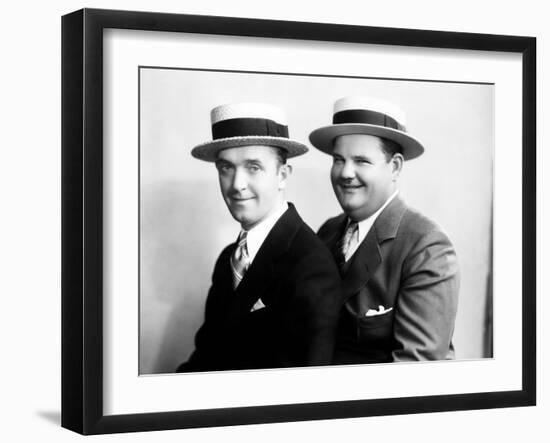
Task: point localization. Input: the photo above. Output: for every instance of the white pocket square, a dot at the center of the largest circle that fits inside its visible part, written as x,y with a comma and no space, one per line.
258,305
381,310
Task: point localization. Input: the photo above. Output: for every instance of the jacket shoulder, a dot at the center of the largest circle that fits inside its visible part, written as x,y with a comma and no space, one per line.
414,224
331,225
306,242
222,260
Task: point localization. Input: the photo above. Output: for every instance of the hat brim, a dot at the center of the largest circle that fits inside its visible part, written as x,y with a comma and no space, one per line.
323,138
209,151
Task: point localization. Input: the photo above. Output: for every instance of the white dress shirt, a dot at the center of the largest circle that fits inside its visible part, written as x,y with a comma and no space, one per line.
364,227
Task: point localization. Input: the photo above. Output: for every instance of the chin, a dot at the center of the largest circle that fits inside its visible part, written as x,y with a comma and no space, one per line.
351,209
347,204
238,215
242,218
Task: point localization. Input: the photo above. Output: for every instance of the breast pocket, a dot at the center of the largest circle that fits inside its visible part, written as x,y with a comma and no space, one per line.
376,329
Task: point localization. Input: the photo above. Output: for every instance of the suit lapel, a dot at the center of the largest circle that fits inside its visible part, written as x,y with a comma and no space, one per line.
331,239
362,265
368,256
262,271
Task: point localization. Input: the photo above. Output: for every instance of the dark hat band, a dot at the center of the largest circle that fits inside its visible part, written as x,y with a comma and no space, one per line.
366,117
245,127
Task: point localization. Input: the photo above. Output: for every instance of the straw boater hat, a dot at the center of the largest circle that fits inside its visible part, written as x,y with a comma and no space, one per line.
363,115
245,124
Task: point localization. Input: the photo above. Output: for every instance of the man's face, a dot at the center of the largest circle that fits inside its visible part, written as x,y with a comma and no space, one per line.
361,176
251,181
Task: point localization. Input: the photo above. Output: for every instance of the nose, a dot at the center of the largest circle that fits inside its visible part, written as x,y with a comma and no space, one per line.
239,180
347,170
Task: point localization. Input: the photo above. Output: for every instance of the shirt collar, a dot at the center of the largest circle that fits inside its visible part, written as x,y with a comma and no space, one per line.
256,236
364,226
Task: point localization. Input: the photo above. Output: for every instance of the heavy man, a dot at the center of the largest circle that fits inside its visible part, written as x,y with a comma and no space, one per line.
399,269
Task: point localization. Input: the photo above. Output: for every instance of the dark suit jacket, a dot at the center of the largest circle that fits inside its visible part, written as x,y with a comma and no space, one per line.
407,263
295,276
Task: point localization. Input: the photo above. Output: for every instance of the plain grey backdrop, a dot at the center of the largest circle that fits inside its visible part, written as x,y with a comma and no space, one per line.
184,223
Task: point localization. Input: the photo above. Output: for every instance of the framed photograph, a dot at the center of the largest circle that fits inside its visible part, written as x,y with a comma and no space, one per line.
150,100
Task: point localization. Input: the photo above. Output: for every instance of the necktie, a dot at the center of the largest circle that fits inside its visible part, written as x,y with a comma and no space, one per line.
346,243
240,260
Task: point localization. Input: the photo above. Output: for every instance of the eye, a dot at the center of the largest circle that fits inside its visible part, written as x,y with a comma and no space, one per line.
337,160
223,168
253,168
363,161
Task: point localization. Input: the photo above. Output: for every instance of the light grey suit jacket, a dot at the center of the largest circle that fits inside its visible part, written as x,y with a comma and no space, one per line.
406,263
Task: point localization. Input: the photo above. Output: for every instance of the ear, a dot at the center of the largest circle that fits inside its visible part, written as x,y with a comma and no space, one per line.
397,165
284,172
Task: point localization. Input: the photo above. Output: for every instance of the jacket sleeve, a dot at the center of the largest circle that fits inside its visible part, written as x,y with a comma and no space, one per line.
199,359
317,302
427,301
202,357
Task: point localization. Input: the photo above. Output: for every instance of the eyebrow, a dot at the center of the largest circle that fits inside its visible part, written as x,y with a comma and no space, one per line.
253,160
221,161
362,157
246,161
353,157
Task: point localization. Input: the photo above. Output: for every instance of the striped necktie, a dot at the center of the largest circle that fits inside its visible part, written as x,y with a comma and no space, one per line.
240,260
346,243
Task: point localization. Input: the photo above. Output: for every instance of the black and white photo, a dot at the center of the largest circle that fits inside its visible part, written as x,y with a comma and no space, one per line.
428,298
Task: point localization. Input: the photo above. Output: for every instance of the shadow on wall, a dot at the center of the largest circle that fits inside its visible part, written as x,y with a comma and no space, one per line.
488,324
52,417
180,240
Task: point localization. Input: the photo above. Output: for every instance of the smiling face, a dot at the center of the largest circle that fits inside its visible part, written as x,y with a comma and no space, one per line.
252,180
362,177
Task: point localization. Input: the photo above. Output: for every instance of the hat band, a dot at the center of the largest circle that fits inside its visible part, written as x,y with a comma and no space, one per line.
242,127
366,117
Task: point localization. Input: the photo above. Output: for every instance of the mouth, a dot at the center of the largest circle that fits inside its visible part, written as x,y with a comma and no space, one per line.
349,187
240,199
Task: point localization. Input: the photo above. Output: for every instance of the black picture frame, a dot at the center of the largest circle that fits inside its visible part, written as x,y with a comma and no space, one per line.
82,218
